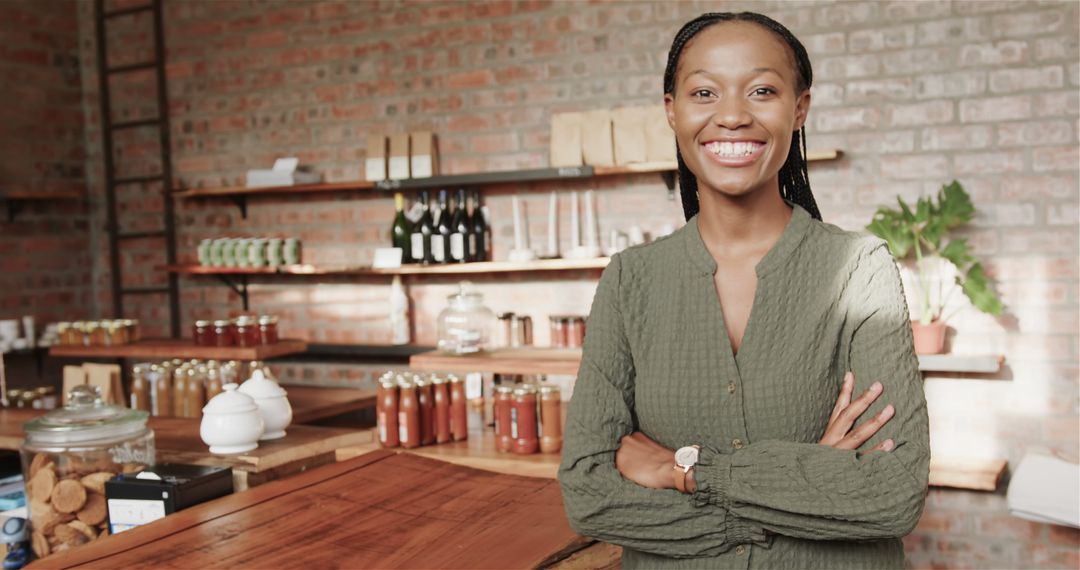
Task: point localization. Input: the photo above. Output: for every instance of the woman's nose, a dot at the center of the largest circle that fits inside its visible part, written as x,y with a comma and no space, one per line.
731,113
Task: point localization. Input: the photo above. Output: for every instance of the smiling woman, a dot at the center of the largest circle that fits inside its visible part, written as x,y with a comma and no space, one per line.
756,341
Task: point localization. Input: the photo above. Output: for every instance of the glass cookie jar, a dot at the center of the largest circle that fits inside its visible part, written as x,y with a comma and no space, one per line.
68,456
465,324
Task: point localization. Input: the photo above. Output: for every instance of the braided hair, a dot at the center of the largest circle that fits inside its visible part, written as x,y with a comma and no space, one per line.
794,181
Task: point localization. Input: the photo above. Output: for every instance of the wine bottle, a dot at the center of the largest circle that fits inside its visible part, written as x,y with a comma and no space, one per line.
441,235
420,244
459,226
480,231
402,229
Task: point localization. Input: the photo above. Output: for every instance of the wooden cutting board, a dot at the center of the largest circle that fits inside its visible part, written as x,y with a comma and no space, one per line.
379,510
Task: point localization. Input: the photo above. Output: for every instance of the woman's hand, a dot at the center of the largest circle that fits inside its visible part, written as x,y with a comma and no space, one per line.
839,434
645,462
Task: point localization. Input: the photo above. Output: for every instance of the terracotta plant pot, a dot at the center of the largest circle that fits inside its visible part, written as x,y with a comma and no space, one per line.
929,339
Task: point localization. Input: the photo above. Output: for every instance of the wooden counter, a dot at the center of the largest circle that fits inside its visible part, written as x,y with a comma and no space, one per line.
379,510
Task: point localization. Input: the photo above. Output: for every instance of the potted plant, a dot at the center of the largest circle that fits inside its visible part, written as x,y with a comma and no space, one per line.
924,234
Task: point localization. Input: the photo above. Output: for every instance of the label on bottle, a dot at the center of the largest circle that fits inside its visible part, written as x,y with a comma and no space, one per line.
382,427
474,386
403,427
415,212
417,246
513,423
457,246
438,248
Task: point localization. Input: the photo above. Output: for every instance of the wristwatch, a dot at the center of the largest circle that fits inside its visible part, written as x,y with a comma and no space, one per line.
685,459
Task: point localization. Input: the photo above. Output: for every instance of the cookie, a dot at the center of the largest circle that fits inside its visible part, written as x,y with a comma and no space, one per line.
68,496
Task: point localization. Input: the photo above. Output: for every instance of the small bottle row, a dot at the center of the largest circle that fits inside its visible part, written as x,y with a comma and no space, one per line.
180,388
98,333
528,418
420,409
448,231
243,331
249,252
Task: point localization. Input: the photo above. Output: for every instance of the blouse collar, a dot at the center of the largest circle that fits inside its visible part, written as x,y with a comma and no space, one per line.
793,235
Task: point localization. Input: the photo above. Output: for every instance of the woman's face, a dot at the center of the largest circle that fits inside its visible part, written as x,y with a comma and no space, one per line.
735,107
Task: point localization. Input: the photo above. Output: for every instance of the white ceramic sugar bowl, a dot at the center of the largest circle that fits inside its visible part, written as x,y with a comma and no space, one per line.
231,422
273,404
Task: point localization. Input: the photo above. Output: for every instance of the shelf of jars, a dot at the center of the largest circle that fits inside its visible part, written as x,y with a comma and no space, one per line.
240,194
181,348
475,268
566,361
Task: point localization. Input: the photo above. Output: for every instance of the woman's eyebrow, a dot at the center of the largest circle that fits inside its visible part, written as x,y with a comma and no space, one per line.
754,71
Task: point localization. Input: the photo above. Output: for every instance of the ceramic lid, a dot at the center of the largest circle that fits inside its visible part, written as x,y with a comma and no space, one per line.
230,401
86,418
259,386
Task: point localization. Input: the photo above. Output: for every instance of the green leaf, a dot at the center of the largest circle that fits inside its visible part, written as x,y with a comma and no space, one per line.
977,288
956,208
958,253
895,234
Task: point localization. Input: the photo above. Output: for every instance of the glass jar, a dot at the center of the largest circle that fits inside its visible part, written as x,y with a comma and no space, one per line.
203,333
134,333
504,396
559,331
268,331
63,332
224,333
575,332
465,324
550,419
247,332
93,334
67,457
523,422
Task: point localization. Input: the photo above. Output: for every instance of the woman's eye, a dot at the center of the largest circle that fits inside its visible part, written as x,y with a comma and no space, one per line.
764,91
700,93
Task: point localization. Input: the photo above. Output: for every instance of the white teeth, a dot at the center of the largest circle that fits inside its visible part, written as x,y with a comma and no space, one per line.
732,150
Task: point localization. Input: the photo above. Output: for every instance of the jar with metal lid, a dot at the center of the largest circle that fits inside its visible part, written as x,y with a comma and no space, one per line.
523,424
93,335
133,331
46,398
465,324
140,386
247,332
63,333
575,332
504,396
559,331
67,457
224,333
551,437
202,332
268,329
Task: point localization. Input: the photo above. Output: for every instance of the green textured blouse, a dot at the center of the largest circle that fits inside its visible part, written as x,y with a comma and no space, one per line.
657,359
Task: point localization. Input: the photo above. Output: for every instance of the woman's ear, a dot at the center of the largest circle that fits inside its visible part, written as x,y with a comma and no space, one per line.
802,109
669,108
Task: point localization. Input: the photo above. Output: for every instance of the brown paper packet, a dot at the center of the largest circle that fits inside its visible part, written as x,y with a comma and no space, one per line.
660,139
596,143
628,134
375,167
566,139
424,155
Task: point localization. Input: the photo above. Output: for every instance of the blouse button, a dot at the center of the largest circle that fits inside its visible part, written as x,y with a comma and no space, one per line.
737,443
731,388
740,550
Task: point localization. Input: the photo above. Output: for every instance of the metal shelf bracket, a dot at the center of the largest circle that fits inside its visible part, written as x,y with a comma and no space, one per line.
239,286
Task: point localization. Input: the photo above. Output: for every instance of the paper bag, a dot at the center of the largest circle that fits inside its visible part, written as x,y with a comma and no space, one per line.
659,138
628,134
596,142
107,378
424,156
375,166
566,139
399,156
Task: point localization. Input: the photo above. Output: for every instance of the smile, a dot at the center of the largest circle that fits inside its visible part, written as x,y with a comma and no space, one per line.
738,153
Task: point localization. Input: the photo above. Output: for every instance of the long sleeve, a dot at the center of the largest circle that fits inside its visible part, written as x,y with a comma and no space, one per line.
808,490
599,502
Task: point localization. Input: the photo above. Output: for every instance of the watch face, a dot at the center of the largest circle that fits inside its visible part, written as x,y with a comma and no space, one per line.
686,456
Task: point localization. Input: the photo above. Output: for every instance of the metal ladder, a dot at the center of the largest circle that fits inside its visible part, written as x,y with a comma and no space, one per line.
112,182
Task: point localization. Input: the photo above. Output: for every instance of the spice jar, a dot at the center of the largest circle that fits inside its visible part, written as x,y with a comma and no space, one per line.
196,391
523,425
550,419
465,324
386,413
224,333
179,393
441,396
459,412
575,332
93,334
213,382
559,337
246,331
134,333
63,332
504,396
203,333
67,457
268,330
408,414
140,387
427,410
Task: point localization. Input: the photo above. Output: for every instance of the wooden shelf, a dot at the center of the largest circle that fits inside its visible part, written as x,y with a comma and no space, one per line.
456,180
971,474
16,198
973,363
502,361
180,348
479,268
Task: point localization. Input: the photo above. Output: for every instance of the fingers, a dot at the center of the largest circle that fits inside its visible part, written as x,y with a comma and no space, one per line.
840,425
845,395
867,429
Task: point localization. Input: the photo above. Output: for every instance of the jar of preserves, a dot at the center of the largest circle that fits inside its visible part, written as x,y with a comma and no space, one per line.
465,324
67,457
202,332
523,424
441,396
268,329
459,410
76,337
63,333
386,413
504,402
550,419
140,387
213,382
179,393
559,336
134,333
93,334
408,414
247,332
224,333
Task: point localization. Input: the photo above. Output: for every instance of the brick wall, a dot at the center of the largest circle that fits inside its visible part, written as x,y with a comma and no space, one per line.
914,93
42,259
